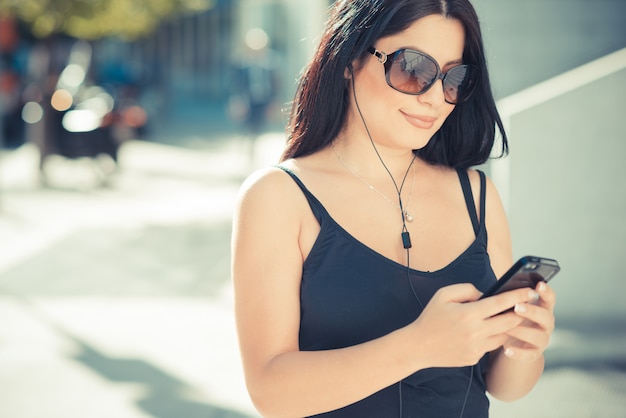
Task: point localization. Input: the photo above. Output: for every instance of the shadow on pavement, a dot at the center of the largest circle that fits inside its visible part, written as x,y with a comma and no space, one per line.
188,260
165,394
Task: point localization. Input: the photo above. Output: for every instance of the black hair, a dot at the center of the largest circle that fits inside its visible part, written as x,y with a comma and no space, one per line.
321,102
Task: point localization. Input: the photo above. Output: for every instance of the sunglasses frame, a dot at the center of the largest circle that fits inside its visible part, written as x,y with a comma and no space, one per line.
388,59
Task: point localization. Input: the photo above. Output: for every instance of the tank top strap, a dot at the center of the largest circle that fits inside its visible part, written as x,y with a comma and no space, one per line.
316,206
469,198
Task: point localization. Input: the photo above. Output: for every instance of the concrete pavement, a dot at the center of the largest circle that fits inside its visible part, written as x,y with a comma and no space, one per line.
115,302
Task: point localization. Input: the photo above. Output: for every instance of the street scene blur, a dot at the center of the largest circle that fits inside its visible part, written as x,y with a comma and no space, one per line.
127,128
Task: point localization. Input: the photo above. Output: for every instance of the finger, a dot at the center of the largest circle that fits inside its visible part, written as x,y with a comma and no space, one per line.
530,335
539,315
494,305
496,341
462,292
502,323
527,354
547,297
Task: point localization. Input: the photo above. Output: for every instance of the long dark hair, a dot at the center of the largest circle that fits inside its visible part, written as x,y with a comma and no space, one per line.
319,109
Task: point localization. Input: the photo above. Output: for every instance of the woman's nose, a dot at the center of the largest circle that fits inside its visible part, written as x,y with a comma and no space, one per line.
434,95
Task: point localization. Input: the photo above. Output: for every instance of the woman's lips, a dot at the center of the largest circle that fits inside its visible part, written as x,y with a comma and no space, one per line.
422,122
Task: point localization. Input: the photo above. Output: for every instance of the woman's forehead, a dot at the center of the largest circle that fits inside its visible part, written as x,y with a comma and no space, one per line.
441,37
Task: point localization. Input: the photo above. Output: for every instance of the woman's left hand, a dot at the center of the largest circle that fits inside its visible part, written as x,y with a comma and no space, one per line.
528,340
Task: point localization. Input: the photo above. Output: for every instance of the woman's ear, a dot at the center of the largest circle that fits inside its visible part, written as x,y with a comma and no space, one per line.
347,73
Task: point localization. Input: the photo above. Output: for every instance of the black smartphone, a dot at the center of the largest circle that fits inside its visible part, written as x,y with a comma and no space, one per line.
528,271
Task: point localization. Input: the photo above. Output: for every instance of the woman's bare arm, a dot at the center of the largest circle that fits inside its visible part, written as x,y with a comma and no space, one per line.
267,266
517,366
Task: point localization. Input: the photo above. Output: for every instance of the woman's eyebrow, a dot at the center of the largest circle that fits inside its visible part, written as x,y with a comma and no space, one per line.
453,62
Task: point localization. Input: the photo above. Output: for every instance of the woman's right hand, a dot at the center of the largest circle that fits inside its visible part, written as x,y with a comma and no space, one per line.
456,329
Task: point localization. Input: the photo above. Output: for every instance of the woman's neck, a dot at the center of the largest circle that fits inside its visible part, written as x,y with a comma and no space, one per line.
372,159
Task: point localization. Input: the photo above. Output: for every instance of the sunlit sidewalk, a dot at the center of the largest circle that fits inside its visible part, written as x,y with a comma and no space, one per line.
155,184
116,301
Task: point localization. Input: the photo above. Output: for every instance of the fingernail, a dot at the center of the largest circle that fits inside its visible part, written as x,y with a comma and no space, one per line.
542,286
508,352
533,295
520,308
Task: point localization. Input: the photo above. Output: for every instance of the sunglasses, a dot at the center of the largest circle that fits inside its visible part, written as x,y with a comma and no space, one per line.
413,72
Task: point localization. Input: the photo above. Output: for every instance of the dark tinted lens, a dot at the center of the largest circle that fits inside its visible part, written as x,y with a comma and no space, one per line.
411,72
459,82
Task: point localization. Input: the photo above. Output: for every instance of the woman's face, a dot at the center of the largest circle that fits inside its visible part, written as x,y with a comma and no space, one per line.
396,119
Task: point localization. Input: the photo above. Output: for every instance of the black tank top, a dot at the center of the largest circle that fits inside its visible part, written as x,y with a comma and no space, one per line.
351,294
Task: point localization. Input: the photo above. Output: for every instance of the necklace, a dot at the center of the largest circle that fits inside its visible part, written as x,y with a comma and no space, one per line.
407,216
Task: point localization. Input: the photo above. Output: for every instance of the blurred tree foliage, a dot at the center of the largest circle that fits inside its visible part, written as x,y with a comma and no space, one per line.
93,19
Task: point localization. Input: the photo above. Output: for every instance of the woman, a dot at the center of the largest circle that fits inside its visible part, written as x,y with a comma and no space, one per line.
358,263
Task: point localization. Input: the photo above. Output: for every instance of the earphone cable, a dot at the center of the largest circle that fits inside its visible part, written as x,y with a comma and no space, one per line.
469,386
369,135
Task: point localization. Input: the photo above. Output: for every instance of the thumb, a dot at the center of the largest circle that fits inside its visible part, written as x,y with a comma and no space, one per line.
459,293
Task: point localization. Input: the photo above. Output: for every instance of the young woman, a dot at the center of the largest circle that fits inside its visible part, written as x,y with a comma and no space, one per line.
359,261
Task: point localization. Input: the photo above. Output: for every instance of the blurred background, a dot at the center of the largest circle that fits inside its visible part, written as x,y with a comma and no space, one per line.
126,128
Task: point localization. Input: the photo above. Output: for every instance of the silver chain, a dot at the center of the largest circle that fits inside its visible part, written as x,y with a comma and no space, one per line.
407,216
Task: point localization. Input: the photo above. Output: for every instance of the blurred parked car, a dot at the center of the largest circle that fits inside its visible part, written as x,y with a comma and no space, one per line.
80,118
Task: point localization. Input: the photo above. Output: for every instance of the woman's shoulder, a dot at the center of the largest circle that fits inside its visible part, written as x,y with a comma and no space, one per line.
270,187
476,176
267,180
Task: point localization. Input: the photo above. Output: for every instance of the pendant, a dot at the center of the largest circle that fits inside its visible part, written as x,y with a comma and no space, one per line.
408,216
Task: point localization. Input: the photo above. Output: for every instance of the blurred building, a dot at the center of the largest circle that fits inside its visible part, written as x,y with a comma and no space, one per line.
191,55
527,42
